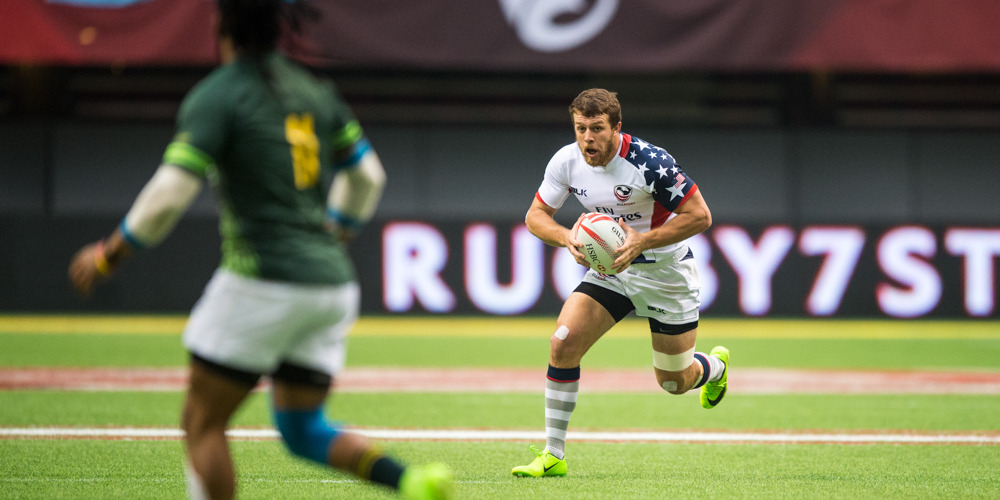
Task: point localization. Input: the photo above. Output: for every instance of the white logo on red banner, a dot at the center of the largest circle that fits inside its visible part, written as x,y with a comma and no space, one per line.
536,26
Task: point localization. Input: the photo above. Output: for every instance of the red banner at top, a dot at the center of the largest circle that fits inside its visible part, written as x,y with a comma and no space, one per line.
535,35
170,32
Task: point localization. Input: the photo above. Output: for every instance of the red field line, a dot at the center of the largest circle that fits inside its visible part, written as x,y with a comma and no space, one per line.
744,381
494,435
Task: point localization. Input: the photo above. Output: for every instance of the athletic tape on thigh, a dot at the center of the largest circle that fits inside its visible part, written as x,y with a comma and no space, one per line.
673,362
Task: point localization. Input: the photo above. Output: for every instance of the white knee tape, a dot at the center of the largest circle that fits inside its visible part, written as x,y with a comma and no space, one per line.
669,386
673,362
562,332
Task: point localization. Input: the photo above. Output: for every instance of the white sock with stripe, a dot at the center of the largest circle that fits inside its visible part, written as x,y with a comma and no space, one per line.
716,366
713,368
561,388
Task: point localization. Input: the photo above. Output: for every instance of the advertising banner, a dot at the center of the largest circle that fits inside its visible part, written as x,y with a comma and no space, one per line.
107,32
419,267
534,35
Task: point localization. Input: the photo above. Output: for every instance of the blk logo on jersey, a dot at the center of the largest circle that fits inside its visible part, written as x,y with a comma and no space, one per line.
623,193
578,192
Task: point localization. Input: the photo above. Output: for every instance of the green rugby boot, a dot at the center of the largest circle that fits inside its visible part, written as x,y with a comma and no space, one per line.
427,482
713,392
545,465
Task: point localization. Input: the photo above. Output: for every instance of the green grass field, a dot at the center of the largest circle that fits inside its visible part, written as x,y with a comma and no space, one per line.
59,468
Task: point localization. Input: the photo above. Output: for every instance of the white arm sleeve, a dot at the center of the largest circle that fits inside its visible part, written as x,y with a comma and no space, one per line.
160,205
356,191
555,187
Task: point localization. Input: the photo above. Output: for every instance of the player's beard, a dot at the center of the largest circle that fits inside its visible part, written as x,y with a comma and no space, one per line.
602,159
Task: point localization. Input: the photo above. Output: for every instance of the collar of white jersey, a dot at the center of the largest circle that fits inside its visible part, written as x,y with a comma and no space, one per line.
622,144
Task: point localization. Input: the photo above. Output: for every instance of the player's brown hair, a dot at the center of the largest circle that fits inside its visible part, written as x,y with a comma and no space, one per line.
597,102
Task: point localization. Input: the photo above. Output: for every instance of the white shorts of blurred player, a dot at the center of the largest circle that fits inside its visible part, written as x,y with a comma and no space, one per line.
254,325
666,291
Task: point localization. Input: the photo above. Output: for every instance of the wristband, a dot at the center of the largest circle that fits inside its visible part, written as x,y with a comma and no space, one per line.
101,260
345,221
129,238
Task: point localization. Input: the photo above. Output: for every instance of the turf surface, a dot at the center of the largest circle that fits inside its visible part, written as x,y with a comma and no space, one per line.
49,468
123,350
524,411
121,469
532,326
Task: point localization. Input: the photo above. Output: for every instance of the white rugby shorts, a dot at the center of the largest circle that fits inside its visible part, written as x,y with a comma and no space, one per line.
254,325
666,291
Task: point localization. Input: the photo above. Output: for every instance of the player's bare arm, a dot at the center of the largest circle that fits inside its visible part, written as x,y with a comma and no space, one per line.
96,262
541,223
693,217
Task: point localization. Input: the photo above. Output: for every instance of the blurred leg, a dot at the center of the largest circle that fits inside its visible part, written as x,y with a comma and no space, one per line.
298,409
211,400
298,412
346,448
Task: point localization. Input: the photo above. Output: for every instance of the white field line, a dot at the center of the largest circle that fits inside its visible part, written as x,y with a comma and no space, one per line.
487,435
178,480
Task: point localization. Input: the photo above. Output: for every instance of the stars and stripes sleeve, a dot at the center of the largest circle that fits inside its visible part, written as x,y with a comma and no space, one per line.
671,185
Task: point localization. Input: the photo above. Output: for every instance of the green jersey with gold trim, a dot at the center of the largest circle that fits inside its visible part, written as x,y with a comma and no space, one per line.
266,132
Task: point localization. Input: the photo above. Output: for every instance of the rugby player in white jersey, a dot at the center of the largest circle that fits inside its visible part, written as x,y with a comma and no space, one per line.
659,206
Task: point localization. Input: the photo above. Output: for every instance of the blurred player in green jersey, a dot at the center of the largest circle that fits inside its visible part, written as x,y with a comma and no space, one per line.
262,129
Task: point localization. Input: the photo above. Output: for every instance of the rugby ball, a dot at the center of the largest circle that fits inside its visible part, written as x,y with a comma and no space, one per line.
600,236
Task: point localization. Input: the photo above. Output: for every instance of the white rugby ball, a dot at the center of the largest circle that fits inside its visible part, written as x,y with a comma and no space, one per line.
600,236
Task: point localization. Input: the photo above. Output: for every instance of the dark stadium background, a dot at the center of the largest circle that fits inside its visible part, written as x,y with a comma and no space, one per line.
875,129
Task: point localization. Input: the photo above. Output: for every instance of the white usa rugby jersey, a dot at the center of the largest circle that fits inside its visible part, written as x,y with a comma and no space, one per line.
641,184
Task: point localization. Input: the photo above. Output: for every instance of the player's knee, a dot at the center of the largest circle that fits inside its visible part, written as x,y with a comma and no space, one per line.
561,350
560,335
672,382
189,421
196,421
671,370
306,433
